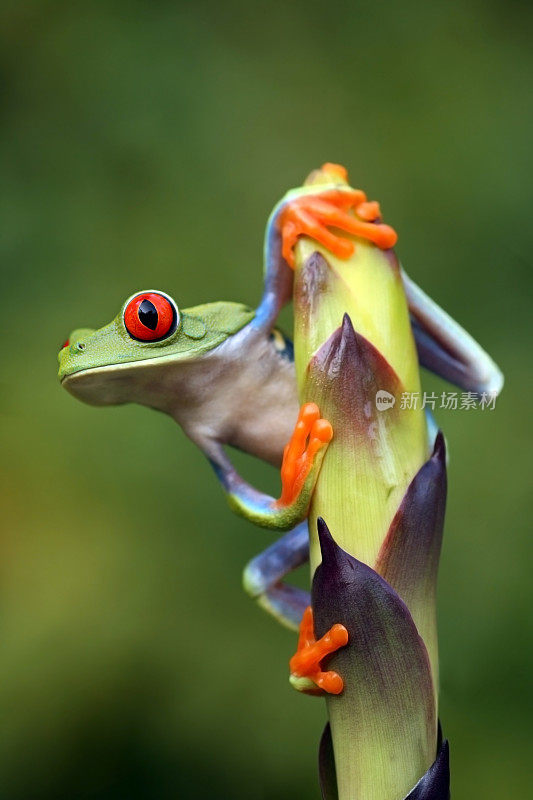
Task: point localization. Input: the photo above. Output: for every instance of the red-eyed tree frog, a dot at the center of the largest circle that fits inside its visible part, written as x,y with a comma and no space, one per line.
226,374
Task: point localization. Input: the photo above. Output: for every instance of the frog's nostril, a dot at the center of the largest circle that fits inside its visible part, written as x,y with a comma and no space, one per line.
80,345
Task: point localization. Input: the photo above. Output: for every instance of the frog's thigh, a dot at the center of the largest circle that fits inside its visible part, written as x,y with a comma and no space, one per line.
445,348
262,577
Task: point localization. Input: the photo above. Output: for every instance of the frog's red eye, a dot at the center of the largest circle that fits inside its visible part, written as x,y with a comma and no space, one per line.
150,316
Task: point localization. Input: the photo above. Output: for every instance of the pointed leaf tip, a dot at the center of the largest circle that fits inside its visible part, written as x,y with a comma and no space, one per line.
332,554
439,449
348,336
325,538
347,325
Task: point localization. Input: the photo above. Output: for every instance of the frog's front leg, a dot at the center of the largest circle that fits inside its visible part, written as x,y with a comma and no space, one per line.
278,286
302,459
445,348
314,214
263,577
311,211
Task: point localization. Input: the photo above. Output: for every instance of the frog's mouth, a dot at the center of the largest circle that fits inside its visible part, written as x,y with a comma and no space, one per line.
114,384
138,381
100,386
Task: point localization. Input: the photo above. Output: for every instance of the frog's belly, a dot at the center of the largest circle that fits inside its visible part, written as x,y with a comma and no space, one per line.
265,414
243,394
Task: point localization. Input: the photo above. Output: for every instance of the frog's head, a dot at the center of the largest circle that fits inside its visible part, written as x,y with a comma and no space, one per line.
139,356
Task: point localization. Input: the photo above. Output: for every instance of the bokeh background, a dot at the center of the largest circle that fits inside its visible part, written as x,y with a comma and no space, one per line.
143,145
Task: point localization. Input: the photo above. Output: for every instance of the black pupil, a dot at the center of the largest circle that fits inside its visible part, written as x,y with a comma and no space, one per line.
148,314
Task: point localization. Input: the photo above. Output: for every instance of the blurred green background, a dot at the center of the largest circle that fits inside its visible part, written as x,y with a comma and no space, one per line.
143,145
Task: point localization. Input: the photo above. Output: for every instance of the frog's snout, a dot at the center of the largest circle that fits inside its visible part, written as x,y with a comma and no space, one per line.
72,347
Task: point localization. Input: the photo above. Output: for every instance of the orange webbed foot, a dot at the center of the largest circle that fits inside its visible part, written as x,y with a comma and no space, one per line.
306,673
345,209
310,435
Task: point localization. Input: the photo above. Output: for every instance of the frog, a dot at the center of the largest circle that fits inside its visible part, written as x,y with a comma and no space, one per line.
225,373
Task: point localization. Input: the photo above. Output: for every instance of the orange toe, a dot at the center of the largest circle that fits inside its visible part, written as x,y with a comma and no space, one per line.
337,170
311,434
347,210
305,663
369,211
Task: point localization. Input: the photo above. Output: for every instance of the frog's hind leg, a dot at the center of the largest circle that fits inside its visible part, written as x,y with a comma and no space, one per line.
264,574
446,349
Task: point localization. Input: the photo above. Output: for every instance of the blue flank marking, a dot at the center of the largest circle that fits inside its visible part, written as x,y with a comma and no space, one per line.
288,350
